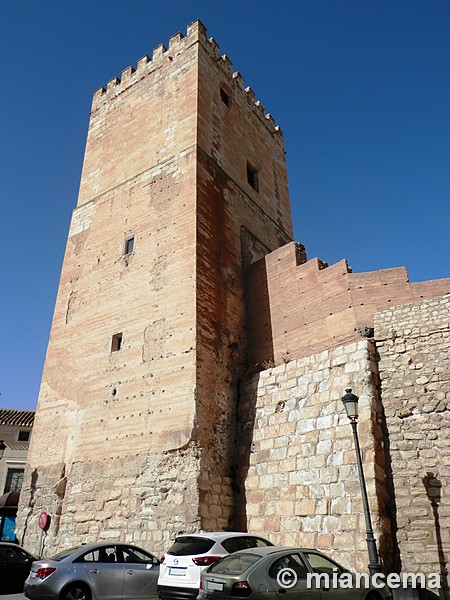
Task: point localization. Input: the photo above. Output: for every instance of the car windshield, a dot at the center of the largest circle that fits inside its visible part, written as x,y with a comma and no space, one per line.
188,544
65,553
235,564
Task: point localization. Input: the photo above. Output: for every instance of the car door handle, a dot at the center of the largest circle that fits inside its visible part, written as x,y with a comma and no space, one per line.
94,571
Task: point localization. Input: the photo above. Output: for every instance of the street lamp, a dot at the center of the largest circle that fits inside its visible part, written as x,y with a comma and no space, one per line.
2,448
350,402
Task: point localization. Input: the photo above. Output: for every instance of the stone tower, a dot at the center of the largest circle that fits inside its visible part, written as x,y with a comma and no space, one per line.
183,185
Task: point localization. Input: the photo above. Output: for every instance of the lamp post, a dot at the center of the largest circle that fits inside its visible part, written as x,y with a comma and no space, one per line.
350,402
2,448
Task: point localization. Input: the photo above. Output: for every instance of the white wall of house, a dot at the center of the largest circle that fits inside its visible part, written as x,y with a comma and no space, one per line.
12,464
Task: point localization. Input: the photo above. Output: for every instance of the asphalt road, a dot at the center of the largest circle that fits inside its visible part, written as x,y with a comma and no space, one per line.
12,597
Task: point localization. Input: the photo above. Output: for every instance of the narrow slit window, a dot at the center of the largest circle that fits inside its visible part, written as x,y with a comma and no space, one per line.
225,97
252,177
116,343
129,245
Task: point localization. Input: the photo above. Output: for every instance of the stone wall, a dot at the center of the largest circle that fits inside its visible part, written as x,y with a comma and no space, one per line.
296,463
144,499
413,342
296,458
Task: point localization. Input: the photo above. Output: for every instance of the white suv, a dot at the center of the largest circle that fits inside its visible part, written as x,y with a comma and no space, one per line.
179,573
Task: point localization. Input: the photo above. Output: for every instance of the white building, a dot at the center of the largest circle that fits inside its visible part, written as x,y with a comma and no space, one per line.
15,434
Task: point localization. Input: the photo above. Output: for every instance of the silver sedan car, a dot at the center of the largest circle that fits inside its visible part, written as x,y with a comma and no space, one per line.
102,571
277,573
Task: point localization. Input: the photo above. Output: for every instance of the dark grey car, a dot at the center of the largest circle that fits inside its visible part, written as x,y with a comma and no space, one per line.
278,573
99,571
15,564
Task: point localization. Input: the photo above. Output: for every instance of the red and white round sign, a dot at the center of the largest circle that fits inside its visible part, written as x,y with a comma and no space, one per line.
43,520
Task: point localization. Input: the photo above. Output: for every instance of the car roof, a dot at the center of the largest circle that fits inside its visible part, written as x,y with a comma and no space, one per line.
9,544
265,550
13,545
93,545
82,548
218,535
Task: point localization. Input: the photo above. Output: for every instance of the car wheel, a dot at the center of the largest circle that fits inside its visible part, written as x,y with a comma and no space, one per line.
75,591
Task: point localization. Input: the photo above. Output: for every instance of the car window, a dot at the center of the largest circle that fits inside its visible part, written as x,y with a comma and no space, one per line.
321,564
289,561
243,542
188,544
262,543
12,555
3,553
105,554
93,556
234,564
134,555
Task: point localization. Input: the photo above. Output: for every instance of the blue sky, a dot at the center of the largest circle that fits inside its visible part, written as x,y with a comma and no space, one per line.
360,88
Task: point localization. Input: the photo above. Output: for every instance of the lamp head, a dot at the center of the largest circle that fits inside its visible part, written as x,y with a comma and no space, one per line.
2,448
350,402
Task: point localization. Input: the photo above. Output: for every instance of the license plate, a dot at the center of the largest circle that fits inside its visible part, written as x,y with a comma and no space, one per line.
213,586
178,571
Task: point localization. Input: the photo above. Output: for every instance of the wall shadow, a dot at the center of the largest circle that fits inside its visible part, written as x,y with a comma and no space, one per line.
259,355
433,487
258,323
245,424
389,549
31,501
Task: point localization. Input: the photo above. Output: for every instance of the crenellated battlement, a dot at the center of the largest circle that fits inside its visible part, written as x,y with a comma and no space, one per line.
317,306
196,32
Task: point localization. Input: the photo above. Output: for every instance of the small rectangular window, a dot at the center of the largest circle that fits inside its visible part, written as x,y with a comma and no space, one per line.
129,245
252,177
14,480
225,97
116,343
24,436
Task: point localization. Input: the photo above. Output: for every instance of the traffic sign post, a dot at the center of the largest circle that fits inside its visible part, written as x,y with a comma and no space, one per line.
44,524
